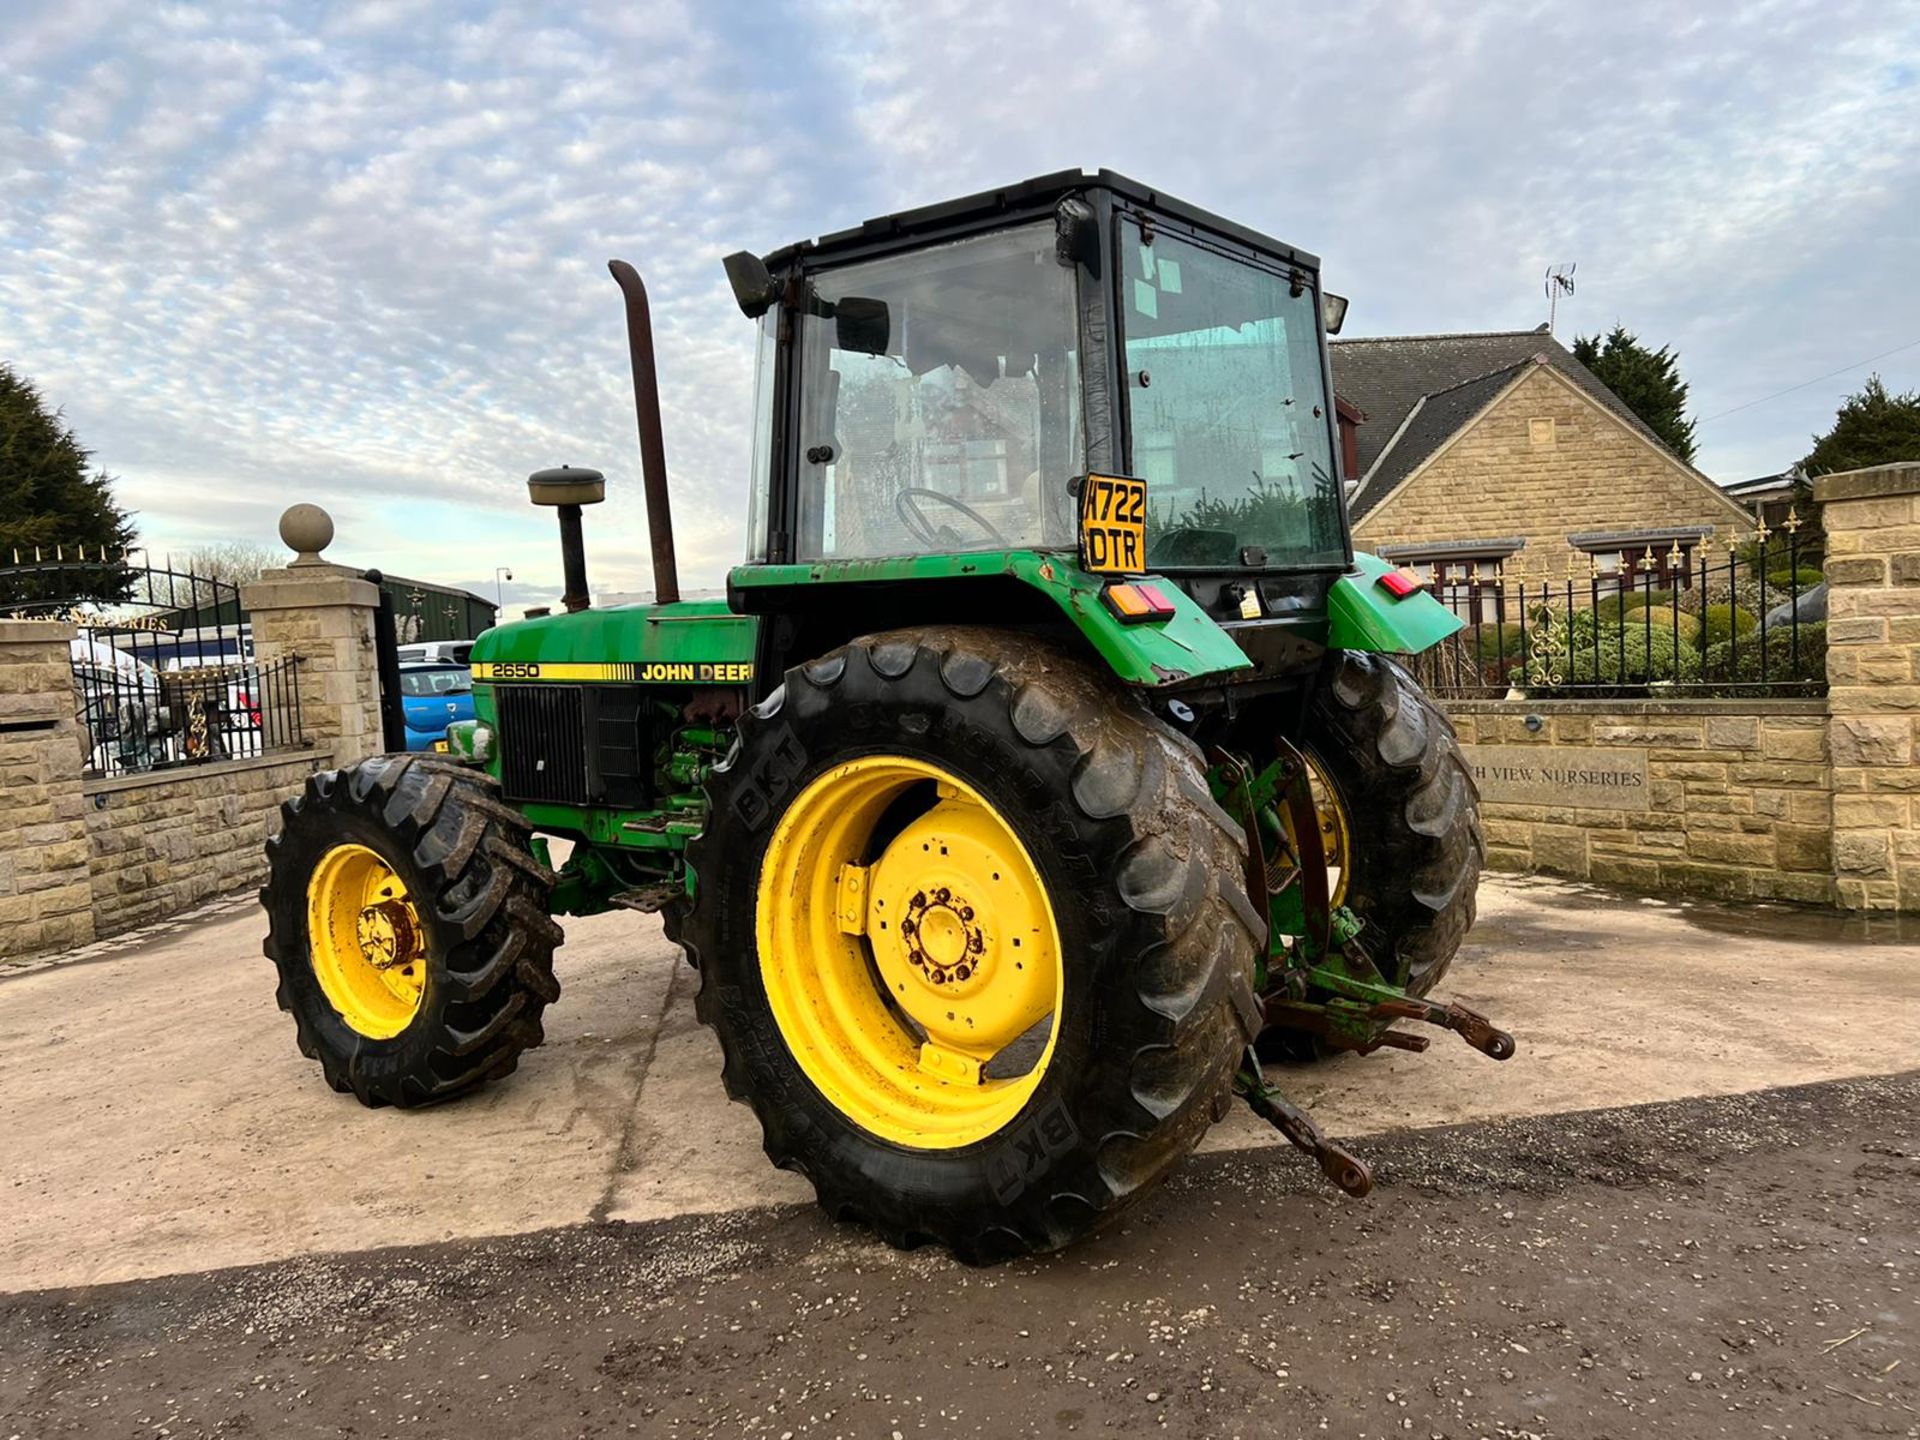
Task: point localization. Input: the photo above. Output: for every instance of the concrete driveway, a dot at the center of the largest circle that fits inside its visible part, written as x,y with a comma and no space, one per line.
156,1119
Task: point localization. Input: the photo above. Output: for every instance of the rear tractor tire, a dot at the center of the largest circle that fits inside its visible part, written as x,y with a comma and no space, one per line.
408,922
1408,810
972,935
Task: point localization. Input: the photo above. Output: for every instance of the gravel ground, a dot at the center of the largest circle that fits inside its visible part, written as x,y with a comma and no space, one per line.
1736,1266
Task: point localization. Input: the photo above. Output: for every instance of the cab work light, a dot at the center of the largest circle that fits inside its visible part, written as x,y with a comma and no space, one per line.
1137,604
1399,584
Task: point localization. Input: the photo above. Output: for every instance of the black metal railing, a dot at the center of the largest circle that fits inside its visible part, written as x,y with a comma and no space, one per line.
162,662
140,721
1750,622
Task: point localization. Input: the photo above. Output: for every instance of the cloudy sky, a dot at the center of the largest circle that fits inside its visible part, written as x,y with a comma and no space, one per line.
355,253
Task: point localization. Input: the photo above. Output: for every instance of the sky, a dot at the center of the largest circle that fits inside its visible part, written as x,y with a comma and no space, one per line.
354,253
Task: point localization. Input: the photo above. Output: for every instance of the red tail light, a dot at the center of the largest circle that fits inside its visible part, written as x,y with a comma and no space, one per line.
1137,603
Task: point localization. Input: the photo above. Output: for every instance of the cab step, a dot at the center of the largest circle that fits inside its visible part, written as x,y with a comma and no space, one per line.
647,899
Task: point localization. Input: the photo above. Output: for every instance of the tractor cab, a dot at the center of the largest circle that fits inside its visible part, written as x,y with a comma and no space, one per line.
1077,367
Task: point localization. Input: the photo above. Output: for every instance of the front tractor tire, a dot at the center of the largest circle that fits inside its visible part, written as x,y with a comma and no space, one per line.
408,922
971,934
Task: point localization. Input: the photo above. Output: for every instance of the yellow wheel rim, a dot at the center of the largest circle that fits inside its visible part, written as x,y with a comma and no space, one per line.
1336,832
365,940
907,983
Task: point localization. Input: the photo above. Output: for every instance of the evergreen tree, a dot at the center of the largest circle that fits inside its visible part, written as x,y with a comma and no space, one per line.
1872,428
1647,381
50,496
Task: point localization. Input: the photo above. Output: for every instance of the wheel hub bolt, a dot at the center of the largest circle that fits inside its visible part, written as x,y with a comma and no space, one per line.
386,934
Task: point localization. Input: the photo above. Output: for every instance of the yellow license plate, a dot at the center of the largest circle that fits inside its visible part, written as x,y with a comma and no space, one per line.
440,747
1113,524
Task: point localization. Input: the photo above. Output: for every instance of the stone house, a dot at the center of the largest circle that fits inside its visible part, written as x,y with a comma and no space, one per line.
1478,457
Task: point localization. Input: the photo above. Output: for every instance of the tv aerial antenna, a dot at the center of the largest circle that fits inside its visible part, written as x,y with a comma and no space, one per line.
1559,282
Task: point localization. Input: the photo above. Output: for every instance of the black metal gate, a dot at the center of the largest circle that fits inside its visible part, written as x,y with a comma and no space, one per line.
163,668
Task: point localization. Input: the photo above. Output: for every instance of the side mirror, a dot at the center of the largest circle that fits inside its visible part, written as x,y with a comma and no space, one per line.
1333,310
862,325
754,290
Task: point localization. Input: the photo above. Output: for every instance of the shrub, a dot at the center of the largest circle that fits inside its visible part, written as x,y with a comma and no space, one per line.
1493,643
1632,657
1742,662
1701,631
1590,652
1664,617
1614,606
1787,581
1721,622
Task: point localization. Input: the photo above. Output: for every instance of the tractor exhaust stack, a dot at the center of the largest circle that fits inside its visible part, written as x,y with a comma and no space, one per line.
653,452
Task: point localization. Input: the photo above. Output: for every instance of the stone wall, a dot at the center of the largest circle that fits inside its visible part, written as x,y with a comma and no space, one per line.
86,858
1729,799
161,843
45,898
1795,800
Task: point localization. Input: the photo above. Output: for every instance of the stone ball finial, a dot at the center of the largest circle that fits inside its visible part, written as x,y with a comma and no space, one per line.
306,530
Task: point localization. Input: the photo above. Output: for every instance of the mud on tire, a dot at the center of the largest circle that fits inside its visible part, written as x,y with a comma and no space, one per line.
481,898
1143,872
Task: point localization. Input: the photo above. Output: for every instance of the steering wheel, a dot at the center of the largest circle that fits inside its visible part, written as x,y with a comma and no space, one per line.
907,504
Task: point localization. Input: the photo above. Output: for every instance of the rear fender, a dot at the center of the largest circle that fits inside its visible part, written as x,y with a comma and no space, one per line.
1363,614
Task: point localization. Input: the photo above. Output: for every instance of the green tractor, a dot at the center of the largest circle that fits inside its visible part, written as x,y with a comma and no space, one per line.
1045,769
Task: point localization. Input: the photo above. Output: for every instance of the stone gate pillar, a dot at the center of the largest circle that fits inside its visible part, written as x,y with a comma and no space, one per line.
1872,520
322,613
46,890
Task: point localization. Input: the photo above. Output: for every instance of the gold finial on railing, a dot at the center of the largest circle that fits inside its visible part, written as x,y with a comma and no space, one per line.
1793,521
1593,566
1573,562
1762,533
1675,556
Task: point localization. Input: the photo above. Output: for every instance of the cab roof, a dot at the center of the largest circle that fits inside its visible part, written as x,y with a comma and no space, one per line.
1027,198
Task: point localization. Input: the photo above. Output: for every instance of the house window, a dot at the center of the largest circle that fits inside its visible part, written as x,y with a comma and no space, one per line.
1467,577
1663,563
1470,587
1653,566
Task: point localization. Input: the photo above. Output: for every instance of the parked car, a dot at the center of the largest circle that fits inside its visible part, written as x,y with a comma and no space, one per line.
437,652
434,696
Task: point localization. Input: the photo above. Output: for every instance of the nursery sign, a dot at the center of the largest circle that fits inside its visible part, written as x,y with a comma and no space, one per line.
1561,775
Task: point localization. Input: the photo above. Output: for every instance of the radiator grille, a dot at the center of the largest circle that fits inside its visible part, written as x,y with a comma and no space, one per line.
622,754
543,743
